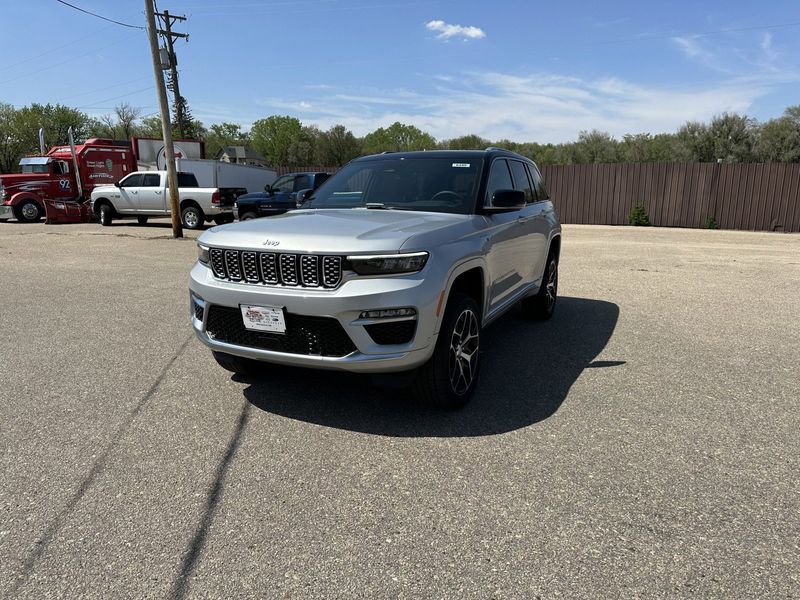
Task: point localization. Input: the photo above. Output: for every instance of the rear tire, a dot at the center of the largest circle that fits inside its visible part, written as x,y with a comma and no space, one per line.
192,217
142,220
28,211
223,219
543,304
238,364
106,215
248,215
449,378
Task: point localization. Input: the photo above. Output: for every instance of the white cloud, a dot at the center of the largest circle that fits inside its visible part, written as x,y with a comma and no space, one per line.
448,30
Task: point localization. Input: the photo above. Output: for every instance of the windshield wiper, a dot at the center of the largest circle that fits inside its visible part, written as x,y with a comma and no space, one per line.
376,205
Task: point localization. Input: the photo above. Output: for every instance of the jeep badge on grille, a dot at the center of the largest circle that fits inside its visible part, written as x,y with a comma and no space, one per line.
269,242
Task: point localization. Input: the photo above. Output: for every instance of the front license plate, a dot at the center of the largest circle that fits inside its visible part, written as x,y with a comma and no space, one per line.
263,318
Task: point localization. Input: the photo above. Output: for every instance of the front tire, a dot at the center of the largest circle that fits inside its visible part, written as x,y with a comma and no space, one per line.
248,215
543,304
142,220
192,217
28,211
237,364
106,215
449,378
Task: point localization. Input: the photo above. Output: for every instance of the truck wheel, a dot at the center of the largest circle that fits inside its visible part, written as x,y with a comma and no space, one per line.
106,214
543,304
449,378
247,216
237,364
28,212
192,217
142,220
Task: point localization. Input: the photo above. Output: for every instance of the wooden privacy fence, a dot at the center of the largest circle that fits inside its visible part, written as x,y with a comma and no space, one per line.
759,197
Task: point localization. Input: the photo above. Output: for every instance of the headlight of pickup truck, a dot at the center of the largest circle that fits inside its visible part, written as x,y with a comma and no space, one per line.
202,254
388,264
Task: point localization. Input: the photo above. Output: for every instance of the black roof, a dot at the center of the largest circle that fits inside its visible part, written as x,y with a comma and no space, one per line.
448,154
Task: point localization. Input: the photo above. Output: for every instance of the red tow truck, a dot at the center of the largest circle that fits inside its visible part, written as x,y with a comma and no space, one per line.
59,177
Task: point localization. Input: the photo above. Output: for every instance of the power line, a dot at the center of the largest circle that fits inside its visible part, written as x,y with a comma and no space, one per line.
100,16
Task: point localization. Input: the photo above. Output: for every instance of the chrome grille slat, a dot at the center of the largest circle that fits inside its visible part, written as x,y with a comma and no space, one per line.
288,269
233,264
250,267
309,270
272,268
269,270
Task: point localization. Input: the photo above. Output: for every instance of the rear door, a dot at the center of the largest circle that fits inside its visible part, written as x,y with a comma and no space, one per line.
532,241
151,194
544,217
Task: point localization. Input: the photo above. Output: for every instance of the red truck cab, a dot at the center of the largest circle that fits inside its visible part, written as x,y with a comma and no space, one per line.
53,177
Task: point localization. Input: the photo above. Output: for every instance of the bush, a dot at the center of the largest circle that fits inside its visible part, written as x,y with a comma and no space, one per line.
638,216
711,223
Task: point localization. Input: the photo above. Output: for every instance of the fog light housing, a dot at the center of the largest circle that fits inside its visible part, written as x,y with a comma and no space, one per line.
388,313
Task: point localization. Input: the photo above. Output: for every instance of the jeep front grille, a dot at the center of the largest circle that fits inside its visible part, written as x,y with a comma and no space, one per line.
276,268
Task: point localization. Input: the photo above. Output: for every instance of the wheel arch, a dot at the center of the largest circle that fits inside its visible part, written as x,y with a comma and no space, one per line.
468,278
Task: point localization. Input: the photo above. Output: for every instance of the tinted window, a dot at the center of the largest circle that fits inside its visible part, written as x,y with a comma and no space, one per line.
434,184
134,180
538,182
151,180
521,181
187,180
499,179
320,179
284,184
302,182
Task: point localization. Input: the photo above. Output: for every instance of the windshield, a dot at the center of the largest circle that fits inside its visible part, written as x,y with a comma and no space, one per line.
432,184
35,169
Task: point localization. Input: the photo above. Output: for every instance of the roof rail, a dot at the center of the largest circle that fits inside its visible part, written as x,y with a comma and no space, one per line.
497,148
388,152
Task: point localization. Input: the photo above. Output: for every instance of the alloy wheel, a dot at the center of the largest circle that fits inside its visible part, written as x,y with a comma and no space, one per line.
463,359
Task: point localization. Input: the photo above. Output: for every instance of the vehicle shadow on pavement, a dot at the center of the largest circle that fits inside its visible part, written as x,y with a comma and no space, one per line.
528,369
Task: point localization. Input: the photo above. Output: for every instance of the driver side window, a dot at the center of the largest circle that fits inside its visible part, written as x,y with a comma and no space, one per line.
132,181
284,184
499,179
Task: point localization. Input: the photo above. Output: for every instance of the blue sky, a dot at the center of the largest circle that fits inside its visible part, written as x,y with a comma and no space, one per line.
526,70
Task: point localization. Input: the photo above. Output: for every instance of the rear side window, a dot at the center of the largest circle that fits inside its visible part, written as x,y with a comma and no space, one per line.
151,180
538,182
499,179
302,182
521,181
187,180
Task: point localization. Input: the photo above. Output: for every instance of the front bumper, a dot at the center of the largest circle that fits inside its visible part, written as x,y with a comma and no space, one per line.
6,211
343,304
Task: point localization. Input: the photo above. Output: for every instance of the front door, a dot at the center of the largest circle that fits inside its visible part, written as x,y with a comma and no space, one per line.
152,198
128,201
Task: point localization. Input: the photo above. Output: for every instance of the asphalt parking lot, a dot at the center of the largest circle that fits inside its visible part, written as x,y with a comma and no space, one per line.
643,443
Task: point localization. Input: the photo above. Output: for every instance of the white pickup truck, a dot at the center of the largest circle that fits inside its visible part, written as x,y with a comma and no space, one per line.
145,194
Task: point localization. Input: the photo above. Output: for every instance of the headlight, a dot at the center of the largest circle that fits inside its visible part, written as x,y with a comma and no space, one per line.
2,193
388,264
202,254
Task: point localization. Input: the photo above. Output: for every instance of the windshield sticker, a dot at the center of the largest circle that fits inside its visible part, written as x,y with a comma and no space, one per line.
462,165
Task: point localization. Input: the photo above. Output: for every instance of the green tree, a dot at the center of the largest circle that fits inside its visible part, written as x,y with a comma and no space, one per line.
595,147
222,135
11,145
694,143
150,127
733,137
122,125
465,142
397,138
778,140
302,149
337,146
274,136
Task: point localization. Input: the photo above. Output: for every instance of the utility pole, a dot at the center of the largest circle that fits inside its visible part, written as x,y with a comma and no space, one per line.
170,37
166,127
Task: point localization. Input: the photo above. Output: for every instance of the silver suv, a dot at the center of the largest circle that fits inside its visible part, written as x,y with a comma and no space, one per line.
395,264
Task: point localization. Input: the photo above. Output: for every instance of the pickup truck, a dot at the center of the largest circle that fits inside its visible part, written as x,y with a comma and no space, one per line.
395,265
281,196
145,194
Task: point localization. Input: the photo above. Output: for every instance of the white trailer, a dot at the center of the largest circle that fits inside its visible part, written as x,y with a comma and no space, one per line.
225,175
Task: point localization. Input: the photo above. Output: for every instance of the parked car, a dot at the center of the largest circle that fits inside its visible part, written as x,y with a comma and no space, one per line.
145,194
279,197
396,264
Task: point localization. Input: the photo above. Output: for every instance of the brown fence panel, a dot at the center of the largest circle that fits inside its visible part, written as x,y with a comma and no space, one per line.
760,197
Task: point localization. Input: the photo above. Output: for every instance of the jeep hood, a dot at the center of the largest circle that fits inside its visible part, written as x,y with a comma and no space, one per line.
336,231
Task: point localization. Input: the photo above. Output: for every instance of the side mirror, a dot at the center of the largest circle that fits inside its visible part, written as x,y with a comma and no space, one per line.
303,195
117,184
268,188
506,200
